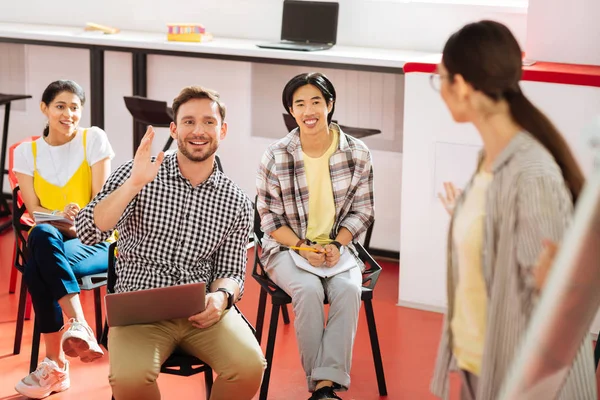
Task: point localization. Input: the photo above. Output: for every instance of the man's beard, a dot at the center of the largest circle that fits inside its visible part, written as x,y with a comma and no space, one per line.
197,157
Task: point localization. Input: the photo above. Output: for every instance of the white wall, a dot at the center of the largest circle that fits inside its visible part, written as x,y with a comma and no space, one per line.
413,26
369,23
428,130
564,31
166,76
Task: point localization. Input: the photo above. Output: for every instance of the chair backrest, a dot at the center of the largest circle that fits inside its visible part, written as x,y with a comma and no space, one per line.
219,165
258,233
149,112
12,178
290,124
22,221
21,226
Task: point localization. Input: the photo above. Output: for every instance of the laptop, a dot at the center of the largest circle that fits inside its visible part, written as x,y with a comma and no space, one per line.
153,305
307,26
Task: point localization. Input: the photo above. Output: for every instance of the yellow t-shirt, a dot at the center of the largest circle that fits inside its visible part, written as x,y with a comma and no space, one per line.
470,302
321,206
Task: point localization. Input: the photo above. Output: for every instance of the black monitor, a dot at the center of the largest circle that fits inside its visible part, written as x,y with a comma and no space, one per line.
309,21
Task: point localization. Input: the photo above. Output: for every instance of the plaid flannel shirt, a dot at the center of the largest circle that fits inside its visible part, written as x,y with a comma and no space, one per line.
283,191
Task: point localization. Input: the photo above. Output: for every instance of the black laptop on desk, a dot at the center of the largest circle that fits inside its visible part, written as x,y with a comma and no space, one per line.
307,26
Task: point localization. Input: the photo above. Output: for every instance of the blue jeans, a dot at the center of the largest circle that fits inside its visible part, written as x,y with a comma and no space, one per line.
53,266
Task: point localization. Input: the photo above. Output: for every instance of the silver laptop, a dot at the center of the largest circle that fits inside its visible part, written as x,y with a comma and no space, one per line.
153,305
307,26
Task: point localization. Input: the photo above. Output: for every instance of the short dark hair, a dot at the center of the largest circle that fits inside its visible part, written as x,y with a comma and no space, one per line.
56,88
309,78
197,92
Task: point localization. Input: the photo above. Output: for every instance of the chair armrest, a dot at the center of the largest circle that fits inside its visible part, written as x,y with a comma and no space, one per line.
90,282
372,268
258,270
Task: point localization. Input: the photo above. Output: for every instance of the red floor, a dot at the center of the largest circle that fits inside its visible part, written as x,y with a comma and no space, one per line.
408,341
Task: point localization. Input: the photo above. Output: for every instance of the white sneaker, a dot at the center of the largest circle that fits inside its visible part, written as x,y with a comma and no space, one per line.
79,341
45,380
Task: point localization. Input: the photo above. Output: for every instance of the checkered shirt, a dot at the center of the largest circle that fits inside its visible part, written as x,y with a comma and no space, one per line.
173,233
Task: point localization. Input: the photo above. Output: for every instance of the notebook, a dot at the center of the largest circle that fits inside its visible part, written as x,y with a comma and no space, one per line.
153,305
346,262
307,26
42,217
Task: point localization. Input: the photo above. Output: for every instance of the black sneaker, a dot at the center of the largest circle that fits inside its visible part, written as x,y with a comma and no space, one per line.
325,393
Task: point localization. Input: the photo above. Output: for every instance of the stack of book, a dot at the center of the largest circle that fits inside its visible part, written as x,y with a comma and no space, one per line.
188,33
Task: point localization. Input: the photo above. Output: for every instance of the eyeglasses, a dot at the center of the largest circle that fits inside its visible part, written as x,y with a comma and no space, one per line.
435,80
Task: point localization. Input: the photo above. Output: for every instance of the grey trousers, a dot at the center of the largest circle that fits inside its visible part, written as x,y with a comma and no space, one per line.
325,351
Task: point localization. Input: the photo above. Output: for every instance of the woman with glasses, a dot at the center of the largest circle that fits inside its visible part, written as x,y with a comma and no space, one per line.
520,197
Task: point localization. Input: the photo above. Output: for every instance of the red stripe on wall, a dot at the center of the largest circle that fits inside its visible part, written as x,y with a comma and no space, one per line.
568,74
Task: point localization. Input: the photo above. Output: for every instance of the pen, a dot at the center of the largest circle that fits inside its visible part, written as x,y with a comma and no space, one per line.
305,248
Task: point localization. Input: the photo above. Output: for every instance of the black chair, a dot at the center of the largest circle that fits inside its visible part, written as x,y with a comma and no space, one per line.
280,300
89,282
178,363
149,112
290,124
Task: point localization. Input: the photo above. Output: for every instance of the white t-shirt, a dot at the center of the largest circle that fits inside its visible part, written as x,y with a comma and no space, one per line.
57,164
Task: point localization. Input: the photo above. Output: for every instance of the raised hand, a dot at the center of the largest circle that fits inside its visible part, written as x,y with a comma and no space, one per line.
452,193
144,169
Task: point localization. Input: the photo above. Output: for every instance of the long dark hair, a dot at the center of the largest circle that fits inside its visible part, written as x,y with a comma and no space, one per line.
488,57
311,78
56,88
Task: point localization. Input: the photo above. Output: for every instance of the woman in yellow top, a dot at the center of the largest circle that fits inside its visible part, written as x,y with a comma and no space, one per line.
520,196
60,173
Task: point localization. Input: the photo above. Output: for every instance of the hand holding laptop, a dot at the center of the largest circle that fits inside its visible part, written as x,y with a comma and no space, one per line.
215,305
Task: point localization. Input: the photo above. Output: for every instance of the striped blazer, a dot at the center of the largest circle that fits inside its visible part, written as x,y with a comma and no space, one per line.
526,202
283,191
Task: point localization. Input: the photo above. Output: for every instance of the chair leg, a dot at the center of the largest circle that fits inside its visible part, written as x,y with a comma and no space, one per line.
28,306
98,312
104,338
20,317
13,281
375,348
260,314
208,382
264,387
284,313
13,271
35,347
